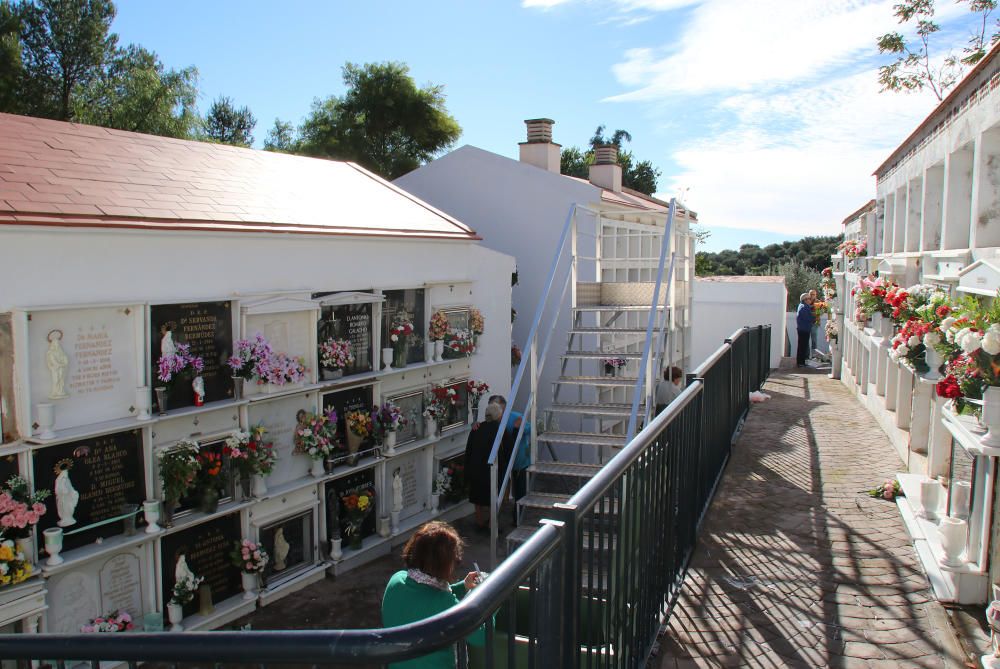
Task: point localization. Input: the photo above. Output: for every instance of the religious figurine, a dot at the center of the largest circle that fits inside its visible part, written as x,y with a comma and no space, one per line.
397,491
66,495
198,385
167,346
183,573
57,362
280,549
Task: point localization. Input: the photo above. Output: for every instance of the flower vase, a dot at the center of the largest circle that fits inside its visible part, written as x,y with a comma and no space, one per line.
387,354
151,511
259,485
238,382
26,546
168,512
329,463
439,350
53,545
46,420
475,343
316,469
430,427
246,486
390,443
353,446
933,360
877,322
161,399
331,374
473,412
930,490
991,417
205,606
429,351
249,580
961,497
336,549
209,502
175,614
399,353
355,541
953,533
384,527
142,403
435,502
888,328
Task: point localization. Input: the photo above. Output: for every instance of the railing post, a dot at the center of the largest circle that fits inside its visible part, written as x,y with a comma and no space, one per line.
570,604
553,614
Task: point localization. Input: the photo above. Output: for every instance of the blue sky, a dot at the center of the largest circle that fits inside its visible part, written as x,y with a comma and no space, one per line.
765,114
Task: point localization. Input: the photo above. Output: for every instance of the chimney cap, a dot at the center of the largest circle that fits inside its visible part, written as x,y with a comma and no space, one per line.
606,154
539,120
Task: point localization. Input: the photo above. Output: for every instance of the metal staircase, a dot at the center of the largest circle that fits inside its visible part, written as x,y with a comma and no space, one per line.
594,411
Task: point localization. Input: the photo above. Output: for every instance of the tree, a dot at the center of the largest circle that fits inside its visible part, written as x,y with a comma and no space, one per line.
281,137
383,122
813,253
136,92
10,57
914,68
641,176
64,44
228,125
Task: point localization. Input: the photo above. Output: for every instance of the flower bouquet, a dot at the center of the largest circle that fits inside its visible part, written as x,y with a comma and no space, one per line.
871,297
185,589
458,344
477,324
357,507
210,480
178,470
264,365
828,284
476,390
445,401
386,421
20,510
316,434
454,475
438,328
249,557
442,482
853,248
399,337
832,333
359,428
613,365
174,367
119,621
334,357
15,566
889,490
908,345
247,355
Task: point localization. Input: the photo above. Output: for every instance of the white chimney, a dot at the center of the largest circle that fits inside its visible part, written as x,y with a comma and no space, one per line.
606,172
539,149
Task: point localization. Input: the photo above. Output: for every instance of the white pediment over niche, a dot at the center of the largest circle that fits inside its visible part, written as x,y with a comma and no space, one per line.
891,267
946,266
348,297
981,277
276,304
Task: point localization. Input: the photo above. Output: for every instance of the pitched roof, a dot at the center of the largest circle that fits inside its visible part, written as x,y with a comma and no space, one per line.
66,174
868,206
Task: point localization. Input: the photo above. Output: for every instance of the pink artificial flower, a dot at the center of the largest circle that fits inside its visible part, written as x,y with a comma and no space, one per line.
887,494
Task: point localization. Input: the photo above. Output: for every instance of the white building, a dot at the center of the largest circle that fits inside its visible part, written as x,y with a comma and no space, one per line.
935,220
107,239
723,304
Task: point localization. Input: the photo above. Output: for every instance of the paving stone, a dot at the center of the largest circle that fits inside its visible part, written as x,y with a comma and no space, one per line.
835,581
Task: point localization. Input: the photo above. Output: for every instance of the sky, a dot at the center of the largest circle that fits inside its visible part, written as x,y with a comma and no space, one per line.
764,116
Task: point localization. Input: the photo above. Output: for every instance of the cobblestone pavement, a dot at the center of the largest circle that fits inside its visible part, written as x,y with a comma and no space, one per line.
796,565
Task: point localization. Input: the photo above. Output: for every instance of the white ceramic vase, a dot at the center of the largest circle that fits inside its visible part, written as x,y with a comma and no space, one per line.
46,420
961,498
428,351
430,428
175,614
991,417
387,358
249,585
151,511
259,485
435,502
933,359
53,545
439,350
877,322
336,549
394,519
953,533
390,443
142,403
384,527
25,545
316,468
930,492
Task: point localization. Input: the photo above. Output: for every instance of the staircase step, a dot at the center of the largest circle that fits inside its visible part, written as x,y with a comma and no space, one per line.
600,355
618,307
582,438
608,329
598,380
577,469
541,500
519,535
609,409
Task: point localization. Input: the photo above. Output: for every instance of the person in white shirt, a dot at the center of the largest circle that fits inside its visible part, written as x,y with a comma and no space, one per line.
669,388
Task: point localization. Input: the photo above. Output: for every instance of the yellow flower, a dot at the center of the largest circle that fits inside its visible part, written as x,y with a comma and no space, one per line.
6,553
363,502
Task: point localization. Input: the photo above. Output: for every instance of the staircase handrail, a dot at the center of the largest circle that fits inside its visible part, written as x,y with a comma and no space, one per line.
644,370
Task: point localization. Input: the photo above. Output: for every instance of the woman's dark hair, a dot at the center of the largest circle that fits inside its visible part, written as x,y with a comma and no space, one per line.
435,548
672,373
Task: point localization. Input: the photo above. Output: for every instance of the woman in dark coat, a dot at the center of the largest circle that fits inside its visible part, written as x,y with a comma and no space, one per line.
477,468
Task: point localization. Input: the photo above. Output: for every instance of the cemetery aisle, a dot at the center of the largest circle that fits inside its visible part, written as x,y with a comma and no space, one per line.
796,564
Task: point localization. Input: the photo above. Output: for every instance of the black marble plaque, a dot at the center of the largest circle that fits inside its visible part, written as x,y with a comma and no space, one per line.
225,482
207,547
357,482
297,532
8,468
455,465
106,471
410,301
351,399
208,328
352,322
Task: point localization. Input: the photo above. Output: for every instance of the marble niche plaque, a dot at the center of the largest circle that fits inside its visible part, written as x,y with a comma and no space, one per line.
208,328
77,598
287,332
85,362
291,545
352,322
207,546
411,303
121,586
278,416
413,470
106,472
355,483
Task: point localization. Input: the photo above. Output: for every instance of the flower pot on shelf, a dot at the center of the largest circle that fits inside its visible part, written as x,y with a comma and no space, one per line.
336,549
387,358
53,545
961,497
238,382
429,351
249,581
205,606
355,541
609,370
329,463
259,485
953,533
209,501
439,350
399,353
26,546
390,442
175,614
316,468
353,446
168,512
934,362
430,427
161,399
991,417
46,420
435,502
930,491
246,486
331,374
384,527
151,510
142,403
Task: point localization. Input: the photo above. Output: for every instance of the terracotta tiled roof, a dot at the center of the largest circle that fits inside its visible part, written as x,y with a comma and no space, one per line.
632,198
65,174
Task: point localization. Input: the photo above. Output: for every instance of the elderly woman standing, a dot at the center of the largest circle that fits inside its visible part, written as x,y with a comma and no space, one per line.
423,589
477,467
804,319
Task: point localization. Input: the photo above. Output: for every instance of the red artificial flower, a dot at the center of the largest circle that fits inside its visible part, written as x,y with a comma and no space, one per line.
948,387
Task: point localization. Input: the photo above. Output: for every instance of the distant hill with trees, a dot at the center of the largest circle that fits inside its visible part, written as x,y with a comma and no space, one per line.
811,252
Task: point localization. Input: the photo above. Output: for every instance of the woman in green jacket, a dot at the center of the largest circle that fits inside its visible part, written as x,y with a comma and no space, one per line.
422,589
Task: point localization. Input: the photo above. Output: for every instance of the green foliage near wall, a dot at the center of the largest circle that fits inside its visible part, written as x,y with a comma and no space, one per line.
810,252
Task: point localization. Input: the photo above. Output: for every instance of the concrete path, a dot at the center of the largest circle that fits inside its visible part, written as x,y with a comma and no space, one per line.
796,565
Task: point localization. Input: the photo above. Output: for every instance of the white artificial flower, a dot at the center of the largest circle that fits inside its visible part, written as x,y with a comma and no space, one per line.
394,337
948,322
912,341
902,351
932,339
991,342
971,342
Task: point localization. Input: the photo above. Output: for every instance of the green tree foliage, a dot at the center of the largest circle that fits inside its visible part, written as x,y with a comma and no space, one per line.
227,124
637,175
384,121
811,252
135,92
10,56
281,137
799,278
915,67
64,45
